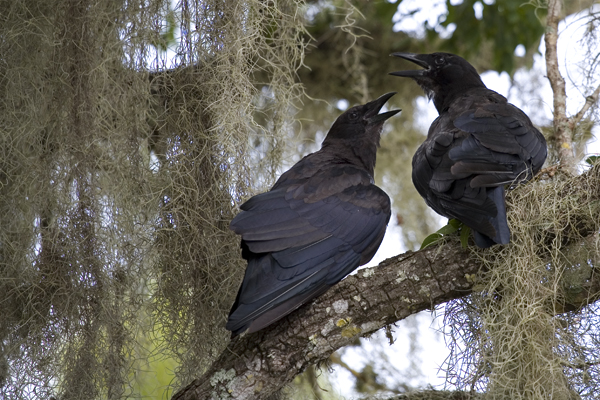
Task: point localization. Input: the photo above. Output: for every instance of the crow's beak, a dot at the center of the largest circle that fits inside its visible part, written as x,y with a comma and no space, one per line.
419,59
374,106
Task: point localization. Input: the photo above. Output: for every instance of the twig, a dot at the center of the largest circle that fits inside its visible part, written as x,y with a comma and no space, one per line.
589,101
336,359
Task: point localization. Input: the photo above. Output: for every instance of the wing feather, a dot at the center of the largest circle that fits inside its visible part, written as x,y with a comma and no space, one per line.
317,234
490,145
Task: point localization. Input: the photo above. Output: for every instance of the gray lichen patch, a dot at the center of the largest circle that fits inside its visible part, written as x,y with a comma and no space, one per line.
340,306
222,376
367,272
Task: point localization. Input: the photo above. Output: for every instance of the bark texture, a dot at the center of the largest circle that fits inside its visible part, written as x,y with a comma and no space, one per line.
257,365
563,133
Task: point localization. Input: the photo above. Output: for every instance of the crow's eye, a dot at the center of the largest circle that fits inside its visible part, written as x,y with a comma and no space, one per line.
439,60
353,116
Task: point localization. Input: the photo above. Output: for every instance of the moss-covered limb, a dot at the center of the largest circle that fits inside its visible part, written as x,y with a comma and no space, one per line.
439,395
513,343
258,365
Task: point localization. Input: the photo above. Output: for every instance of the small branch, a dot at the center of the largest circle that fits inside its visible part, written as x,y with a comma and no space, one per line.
589,101
336,359
367,379
563,133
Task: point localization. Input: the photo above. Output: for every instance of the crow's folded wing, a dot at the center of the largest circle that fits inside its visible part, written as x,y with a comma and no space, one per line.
503,146
448,194
341,203
303,238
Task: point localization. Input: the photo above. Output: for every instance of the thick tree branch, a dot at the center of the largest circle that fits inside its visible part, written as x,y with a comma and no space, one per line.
562,131
257,365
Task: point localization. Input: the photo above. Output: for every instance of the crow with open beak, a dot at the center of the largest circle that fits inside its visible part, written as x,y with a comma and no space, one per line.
478,144
322,219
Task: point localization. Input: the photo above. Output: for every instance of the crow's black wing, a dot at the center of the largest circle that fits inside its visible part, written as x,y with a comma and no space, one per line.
301,239
502,146
447,194
463,165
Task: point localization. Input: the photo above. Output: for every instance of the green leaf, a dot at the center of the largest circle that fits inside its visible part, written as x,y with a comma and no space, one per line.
452,226
447,229
431,239
456,223
592,159
464,236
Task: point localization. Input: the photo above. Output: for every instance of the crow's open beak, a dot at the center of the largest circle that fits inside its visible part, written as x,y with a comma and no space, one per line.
374,106
419,59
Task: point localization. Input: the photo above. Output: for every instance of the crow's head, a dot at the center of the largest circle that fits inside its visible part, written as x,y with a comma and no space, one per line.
356,133
358,121
443,76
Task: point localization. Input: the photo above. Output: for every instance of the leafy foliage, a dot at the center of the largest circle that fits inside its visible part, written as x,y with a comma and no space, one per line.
502,26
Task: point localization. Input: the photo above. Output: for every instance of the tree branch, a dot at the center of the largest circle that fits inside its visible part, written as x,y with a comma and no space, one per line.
589,102
257,365
562,131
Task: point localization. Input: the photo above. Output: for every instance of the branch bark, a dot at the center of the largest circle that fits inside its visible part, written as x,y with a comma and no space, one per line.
257,365
563,132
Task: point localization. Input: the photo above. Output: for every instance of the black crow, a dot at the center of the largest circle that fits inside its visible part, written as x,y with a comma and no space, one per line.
322,219
478,144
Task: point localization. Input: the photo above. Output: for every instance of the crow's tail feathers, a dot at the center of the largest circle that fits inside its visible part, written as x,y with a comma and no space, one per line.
498,222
